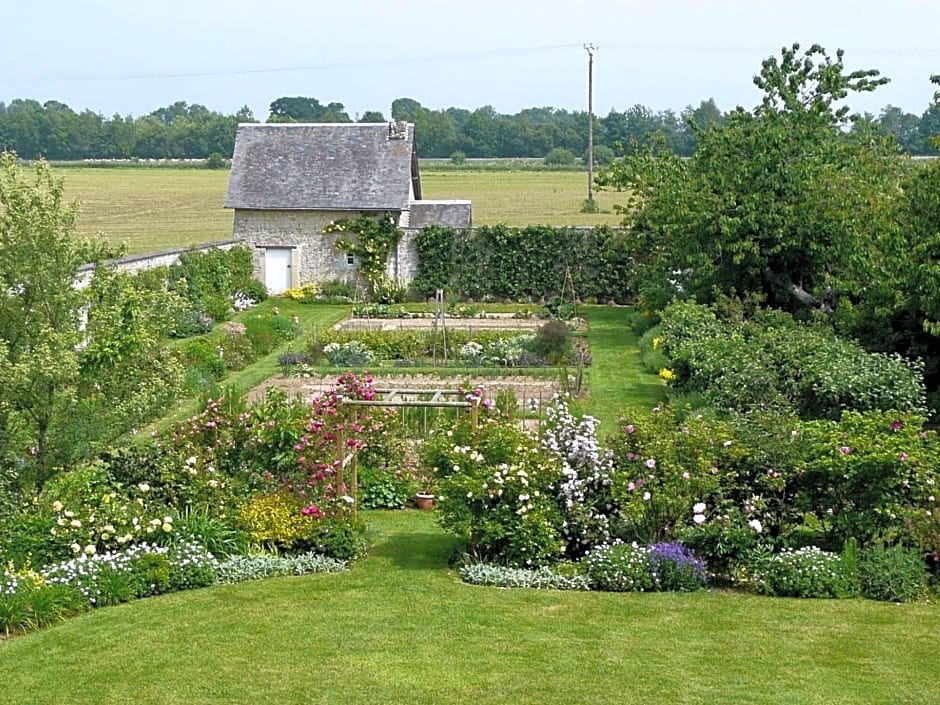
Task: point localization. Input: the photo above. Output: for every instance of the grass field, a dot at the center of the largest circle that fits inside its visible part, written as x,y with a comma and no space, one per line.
153,209
400,628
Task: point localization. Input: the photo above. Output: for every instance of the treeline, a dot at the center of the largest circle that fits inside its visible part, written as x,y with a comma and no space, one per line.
191,131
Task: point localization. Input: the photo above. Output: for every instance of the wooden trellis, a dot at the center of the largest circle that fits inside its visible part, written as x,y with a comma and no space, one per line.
393,398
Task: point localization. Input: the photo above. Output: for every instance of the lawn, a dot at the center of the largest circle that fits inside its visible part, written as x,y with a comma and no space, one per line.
152,209
400,627
616,381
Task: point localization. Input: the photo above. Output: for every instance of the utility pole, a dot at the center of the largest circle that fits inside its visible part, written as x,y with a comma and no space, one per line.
590,48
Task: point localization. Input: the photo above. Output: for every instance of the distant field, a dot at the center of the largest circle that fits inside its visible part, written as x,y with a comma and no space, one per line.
153,209
521,197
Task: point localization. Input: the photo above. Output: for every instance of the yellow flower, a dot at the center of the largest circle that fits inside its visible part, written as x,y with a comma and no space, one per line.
656,342
667,374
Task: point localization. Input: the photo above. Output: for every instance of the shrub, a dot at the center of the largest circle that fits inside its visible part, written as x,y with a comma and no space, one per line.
384,488
266,332
804,572
675,567
553,340
275,520
496,493
585,491
665,465
190,322
622,567
339,291
254,291
342,539
305,294
769,361
870,475
215,161
211,278
235,348
458,158
203,355
151,573
893,573
559,156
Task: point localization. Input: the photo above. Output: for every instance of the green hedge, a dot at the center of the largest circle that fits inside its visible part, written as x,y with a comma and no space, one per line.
527,263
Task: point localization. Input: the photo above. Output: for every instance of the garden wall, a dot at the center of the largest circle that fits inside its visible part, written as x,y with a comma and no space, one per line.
139,263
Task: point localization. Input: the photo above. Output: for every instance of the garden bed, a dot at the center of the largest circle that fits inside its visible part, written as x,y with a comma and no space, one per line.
526,389
492,322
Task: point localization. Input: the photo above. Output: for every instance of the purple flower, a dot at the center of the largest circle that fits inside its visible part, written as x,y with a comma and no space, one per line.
651,463
845,450
676,566
897,425
629,428
904,457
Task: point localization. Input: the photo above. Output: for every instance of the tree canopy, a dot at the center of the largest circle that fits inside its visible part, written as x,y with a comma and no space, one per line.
797,203
182,130
79,352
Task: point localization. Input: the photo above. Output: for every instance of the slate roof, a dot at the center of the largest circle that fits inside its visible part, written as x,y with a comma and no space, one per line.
346,166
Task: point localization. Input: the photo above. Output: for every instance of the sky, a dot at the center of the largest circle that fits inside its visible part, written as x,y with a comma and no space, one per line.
134,57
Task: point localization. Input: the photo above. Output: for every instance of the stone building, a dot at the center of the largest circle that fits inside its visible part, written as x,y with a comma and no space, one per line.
290,180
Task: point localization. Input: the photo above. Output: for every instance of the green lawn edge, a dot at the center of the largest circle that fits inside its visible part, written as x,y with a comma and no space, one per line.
401,627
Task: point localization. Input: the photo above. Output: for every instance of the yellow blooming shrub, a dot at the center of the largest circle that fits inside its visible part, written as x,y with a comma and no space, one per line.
276,519
304,294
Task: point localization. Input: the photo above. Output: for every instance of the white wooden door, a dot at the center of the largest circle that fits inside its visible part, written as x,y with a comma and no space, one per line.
277,274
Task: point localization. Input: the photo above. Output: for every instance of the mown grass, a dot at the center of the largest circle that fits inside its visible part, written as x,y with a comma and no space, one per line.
400,627
152,209
616,381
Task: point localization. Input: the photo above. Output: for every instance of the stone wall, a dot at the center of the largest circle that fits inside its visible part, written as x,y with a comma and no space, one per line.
451,214
139,263
315,257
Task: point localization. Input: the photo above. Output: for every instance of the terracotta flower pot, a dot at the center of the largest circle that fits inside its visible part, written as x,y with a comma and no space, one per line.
424,501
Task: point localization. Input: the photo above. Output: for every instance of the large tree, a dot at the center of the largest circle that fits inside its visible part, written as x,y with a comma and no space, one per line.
40,311
81,348
782,201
